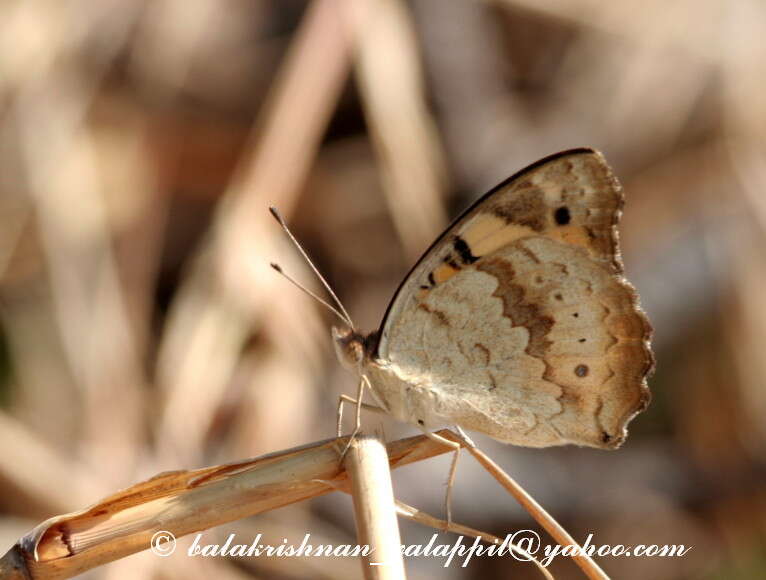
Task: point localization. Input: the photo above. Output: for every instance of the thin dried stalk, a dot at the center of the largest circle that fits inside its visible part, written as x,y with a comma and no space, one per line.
374,511
426,519
585,562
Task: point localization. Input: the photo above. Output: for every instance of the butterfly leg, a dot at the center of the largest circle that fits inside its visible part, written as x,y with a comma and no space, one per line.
452,472
358,402
346,399
463,434
363,381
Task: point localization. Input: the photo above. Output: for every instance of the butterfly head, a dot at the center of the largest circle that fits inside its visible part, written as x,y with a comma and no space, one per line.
353,348
349,346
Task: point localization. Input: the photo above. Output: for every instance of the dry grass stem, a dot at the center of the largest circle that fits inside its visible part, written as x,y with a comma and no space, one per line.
585,562
426,519
374,511
182,502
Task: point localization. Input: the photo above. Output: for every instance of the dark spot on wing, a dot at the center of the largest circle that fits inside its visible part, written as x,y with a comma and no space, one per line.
606,437
581,370
562,216
462,249
431,280
581,340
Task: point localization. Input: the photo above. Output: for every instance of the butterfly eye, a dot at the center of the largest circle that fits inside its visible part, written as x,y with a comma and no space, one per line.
561,215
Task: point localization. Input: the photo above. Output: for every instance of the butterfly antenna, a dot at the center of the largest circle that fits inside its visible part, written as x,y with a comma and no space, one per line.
324,303
342,314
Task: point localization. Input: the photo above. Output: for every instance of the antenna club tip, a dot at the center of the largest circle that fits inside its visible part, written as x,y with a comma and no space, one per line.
277,216
277,267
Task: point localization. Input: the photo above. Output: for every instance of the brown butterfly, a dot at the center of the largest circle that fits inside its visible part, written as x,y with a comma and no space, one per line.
518,321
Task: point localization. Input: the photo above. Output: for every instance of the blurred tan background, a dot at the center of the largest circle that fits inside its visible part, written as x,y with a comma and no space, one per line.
141,329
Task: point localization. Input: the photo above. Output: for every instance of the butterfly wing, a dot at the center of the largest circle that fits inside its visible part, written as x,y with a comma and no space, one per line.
518,322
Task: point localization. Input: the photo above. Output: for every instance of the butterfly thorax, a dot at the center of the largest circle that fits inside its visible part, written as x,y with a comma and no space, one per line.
403,397
408,397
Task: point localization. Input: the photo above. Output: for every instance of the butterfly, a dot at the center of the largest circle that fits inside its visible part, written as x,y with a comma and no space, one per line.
518,321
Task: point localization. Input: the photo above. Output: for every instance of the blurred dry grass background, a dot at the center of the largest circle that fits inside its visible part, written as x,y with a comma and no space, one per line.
141,329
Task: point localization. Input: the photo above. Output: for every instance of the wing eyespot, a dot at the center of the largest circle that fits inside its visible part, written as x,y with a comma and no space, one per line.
562,216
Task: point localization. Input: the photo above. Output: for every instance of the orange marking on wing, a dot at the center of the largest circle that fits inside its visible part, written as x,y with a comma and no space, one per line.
444,272
572,234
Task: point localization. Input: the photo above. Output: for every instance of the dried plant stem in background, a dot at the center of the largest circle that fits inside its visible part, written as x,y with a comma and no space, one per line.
425,519
374,511
210,323
585,562
403,132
